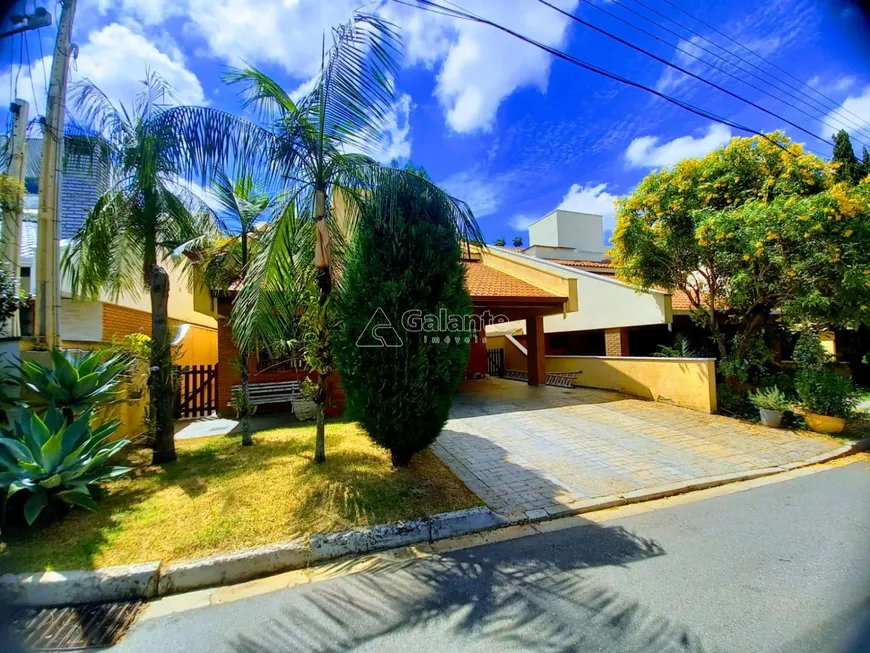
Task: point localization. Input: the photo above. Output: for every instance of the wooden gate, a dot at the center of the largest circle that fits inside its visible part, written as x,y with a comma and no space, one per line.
197,391
495,362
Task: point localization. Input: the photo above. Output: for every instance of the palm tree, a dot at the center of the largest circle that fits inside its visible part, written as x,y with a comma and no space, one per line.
136,224
313,146
518,241
223,261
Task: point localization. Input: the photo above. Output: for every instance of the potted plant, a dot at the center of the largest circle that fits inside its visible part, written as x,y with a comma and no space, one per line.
771,404
828,399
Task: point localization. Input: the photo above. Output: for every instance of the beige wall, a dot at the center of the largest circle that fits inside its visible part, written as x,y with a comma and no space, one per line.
686,382
198,347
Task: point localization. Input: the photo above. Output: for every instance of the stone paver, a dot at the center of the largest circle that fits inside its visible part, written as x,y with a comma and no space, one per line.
529,449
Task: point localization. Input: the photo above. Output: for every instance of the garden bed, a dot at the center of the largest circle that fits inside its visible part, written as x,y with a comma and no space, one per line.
219,497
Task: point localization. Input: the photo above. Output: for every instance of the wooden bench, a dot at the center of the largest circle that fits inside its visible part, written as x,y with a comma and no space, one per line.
271,393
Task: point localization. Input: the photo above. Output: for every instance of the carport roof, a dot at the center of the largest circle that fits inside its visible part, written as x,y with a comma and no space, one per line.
484,281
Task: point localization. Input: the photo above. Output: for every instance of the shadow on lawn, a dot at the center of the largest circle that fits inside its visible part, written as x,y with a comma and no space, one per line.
526,594
84,535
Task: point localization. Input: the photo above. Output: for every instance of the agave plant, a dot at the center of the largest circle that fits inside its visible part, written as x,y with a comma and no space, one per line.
51,458
77,381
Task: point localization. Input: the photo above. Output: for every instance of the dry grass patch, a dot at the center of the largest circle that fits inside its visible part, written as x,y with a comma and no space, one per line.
220,497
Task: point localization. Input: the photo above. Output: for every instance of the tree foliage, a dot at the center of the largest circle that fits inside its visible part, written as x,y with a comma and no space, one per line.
754,226
404,257
849,169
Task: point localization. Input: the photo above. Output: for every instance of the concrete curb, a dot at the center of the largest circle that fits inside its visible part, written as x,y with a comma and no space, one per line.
233,567
148,580
49,588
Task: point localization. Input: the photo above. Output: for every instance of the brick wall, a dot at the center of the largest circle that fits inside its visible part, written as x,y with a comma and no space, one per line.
119,321
616,342
227,377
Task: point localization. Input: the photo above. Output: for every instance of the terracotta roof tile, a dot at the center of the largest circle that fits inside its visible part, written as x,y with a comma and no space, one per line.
604,265
680,301
484,281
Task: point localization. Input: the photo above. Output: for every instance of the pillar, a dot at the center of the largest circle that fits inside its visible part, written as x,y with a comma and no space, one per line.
616,342
537,363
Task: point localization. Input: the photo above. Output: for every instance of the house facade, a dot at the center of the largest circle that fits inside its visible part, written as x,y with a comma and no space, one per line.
88,324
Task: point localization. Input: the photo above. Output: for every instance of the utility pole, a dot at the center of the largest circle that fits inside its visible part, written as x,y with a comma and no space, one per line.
50,179
10,240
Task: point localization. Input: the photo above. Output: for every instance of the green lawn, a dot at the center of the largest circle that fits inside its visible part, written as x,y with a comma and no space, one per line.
220,497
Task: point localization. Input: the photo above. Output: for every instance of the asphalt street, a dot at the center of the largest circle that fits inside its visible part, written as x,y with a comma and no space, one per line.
780,568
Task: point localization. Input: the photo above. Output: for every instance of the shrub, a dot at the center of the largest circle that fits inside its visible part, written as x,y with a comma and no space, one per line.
732,400
770,399
825,393
77,381
12,298
52,458
682,348
809,354
404,257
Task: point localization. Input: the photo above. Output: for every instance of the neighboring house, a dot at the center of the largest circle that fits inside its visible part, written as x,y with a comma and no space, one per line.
84,324
612,318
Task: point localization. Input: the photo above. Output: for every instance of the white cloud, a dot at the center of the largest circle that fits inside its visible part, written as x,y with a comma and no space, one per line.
591,198
481,194
855,110
116,60
481,66
521,221
285,33
149,12
645,152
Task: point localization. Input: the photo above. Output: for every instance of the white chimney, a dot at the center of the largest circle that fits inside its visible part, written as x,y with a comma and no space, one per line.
567,235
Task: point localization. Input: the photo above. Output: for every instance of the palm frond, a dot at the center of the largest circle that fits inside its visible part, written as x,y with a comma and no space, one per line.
356,89
268,304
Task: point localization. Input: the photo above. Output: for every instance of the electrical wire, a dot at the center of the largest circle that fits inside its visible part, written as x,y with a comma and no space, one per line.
30,74
425,5
723,71
42,57
733,54
806,99
685,71
765,60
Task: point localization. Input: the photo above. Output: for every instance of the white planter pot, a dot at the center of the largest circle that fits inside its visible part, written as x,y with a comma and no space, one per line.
771,418
304,409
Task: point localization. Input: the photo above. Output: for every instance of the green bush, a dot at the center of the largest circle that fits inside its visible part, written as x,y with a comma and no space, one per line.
825,393
404,257
733,400
809,354
77,381
770,399
52,458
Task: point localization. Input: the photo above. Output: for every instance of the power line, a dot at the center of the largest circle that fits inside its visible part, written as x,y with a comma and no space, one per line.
722,70
30,74
722,89
765,60
733,54
816,105
428,5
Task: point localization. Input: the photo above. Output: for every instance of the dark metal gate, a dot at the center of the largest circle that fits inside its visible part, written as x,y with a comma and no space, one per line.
495,362
197,391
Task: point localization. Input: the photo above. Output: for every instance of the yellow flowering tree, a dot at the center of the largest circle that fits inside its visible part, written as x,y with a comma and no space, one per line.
755,226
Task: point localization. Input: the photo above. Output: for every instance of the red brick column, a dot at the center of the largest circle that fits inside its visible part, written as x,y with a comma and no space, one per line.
616,342
537,363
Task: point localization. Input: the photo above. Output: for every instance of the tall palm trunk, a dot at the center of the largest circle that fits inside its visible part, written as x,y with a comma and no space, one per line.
246,416
324,282
160,378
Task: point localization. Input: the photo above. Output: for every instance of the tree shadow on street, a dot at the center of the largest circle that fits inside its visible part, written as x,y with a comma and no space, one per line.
527,594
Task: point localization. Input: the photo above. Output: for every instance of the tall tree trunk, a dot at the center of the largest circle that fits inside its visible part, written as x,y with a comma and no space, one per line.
320,439
324,282
160,378
247,440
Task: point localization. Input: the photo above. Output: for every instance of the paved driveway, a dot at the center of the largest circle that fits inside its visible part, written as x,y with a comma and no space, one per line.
522,448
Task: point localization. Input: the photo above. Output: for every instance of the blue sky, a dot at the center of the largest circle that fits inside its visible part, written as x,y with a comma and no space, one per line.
495,121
